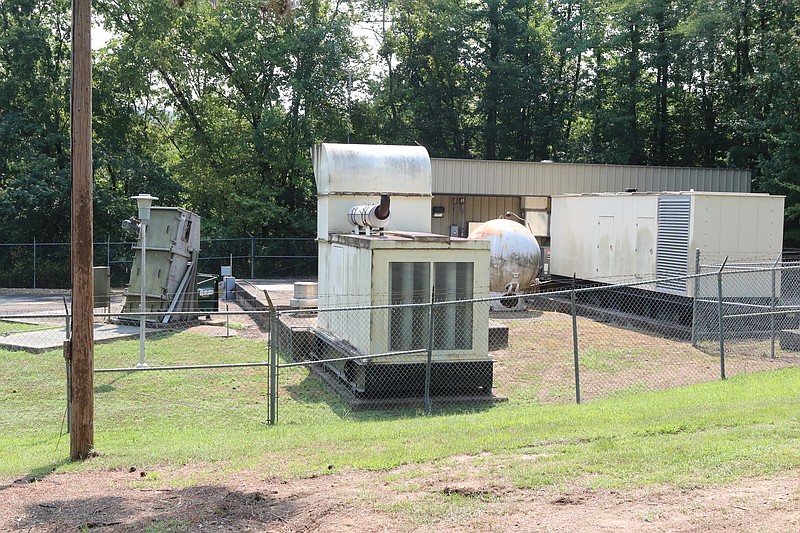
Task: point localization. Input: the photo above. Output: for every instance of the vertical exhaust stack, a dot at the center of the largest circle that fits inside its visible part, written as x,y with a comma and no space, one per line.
383,208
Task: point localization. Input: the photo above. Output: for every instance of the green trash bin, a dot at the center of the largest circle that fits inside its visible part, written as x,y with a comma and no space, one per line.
207,293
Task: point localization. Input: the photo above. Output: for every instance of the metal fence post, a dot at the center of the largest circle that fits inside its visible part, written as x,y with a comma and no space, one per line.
67,322
273,368
68,361
429,360
773,303
34,262
694,296
252,255
721,325
575,343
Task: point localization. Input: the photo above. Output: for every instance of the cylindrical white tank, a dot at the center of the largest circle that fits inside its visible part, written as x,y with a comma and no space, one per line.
514,254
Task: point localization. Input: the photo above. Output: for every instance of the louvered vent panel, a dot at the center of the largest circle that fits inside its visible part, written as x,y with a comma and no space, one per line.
672,254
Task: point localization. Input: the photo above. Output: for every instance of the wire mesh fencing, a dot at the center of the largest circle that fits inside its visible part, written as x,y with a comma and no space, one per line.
210,371
40,265
205,373
407,355
556,347
421,352
759,317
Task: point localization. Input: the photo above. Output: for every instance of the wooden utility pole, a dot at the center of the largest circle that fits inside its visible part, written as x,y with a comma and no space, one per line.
82,258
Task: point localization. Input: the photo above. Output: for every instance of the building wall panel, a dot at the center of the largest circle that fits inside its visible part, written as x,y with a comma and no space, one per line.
474,209
509,178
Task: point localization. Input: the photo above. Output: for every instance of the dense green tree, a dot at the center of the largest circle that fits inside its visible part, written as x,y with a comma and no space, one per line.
431,92
523,112
34,120
34,130
213,104
249,87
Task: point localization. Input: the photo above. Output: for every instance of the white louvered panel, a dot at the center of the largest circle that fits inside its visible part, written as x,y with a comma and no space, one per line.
672,253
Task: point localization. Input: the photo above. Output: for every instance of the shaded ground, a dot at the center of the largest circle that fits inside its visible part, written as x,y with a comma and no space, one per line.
449,496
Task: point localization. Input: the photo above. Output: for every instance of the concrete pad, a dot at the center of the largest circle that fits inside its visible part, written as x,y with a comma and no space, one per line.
52,339
252,293
276,287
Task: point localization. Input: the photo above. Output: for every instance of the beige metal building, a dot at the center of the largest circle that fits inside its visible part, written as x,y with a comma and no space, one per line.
631,237
466,191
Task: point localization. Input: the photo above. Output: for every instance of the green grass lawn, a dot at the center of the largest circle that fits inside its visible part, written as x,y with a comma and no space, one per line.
9,328
709,433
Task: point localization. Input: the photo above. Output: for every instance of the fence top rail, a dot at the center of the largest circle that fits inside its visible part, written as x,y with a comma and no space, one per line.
129,243
248,239
777,312
95,243
487,299
136,314
351,358
729,303
563,292
740,268
257,256
179,367
12,318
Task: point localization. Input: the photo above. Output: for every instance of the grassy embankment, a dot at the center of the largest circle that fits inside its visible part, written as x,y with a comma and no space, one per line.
703,434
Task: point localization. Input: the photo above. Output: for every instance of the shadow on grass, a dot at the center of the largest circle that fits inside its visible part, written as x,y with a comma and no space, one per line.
311,390
37,474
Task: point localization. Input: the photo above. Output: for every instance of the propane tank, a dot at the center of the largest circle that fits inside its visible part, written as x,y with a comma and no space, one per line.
514,255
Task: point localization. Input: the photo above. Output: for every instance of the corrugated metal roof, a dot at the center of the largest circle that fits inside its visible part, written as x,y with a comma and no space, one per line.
515,178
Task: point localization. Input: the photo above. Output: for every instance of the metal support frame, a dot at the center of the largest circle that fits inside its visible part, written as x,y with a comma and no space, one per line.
576,360
252,255
429,358
773,303
721,317
272,417
694,295
143,297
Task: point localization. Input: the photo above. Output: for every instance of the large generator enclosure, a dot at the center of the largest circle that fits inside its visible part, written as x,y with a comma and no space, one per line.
629,237
173,247
377,284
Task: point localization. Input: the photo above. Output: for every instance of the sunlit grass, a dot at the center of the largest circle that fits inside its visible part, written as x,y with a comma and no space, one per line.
714,432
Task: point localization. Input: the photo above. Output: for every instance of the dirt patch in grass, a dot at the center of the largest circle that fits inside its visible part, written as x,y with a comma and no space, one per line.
445,497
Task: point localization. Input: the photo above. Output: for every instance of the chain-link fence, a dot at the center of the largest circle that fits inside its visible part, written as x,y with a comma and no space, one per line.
207,370
46,265
554,347
759,319
419,353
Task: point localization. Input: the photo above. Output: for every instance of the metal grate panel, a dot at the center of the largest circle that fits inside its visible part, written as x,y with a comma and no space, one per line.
672,251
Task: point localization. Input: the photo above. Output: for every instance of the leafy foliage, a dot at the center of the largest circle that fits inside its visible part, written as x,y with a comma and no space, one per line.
213,104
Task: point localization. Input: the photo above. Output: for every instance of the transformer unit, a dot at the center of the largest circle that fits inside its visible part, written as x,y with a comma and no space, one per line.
173,247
